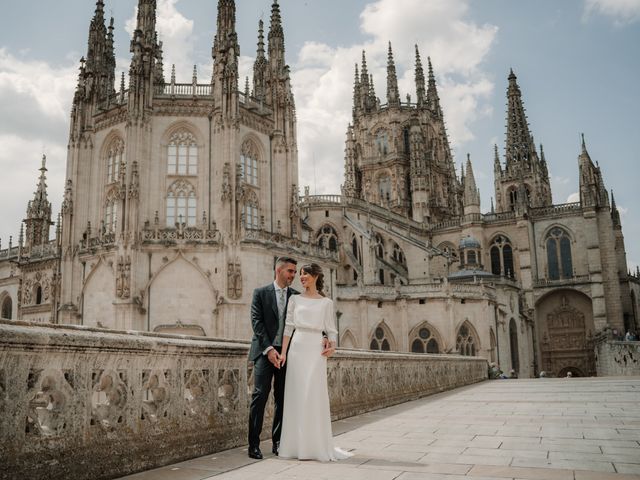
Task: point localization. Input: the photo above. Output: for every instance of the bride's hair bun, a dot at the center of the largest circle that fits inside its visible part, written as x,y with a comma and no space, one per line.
315,270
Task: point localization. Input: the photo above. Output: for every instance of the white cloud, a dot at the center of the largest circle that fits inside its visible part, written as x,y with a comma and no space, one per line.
175,31
622,12
574,197
35,99
323,77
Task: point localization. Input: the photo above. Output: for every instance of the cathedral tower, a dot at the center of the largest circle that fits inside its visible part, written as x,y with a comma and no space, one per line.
397,154
524,180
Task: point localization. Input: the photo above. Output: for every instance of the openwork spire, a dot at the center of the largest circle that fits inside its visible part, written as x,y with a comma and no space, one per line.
519,146
615,214
260,67
433,100
471,193
420,81
393,96
276,39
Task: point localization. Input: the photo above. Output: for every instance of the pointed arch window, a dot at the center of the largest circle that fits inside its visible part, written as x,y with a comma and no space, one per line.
355,250
115,158
502,257
251,211
384,188
182,154
380,340
37,294
111,211
424,341
559,262
466,341
513,198
398,255
181,204
7,307
327,238
249,160
382,142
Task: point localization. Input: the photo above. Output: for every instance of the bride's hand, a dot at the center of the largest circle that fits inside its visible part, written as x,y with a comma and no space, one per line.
328,349
283,358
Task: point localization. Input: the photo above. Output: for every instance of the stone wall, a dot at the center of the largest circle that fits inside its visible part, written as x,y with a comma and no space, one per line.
85,403
618,358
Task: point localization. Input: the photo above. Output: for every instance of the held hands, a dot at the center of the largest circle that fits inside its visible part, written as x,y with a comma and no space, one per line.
283,359
328,347
274,357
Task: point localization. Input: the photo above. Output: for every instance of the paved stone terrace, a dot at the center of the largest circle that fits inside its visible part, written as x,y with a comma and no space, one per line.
549,429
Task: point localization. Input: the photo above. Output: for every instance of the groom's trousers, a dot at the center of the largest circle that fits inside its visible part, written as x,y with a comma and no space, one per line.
264,374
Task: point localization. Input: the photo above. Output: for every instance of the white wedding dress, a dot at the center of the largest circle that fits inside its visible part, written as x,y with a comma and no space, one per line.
306,421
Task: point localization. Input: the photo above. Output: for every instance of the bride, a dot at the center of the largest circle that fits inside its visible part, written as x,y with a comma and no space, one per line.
306,424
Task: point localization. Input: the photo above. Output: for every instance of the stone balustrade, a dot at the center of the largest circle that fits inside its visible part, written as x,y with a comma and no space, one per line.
86,403
617,358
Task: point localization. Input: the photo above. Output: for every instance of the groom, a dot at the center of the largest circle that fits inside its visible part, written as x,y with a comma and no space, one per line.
268,313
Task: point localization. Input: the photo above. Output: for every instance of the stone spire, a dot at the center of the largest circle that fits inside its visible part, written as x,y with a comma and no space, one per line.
519,146
592,190
524,181
276,40
260,67
144,50
497,167
350,188
225,53
471,192
356,92
615,214
159,73
367,100
39,212
420,82
110,67
393,96
433,100
99,68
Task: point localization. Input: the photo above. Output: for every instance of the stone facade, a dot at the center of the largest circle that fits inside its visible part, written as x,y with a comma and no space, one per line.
179,197
130,401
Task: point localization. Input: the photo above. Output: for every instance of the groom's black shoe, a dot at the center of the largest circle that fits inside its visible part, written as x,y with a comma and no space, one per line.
254,452
276,448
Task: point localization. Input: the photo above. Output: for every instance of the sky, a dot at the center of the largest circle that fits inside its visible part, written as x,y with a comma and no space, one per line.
577,63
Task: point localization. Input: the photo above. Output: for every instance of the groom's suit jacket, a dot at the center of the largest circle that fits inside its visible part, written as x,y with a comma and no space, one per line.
264,318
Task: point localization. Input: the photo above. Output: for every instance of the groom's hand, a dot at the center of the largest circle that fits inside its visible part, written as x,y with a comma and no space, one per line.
274,357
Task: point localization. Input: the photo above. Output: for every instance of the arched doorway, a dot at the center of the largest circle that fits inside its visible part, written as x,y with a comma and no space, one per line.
513,343
566,333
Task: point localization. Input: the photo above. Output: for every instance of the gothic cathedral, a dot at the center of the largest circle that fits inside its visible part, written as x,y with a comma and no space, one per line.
179,197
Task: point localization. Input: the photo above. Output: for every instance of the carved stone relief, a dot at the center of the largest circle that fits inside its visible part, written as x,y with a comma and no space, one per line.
234,280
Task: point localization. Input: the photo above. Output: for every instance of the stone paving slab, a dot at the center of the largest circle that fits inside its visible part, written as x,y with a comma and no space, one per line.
537,429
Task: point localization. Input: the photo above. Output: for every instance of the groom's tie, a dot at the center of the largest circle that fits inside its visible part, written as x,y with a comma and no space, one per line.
281,306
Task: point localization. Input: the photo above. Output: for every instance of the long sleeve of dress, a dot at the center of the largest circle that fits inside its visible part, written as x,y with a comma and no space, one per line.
289,324
330,322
